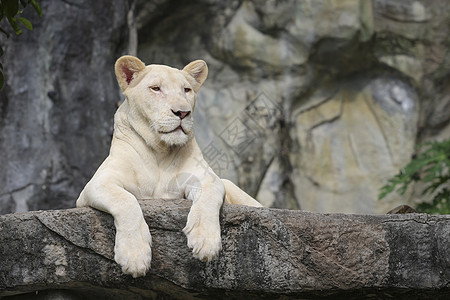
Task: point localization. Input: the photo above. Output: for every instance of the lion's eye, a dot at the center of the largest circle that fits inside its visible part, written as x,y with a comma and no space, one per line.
187,90
155,88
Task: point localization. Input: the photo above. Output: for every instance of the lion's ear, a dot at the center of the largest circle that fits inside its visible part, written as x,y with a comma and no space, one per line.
197,70
126,68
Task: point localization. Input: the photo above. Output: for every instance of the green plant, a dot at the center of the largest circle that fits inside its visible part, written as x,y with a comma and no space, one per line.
12,10
431,166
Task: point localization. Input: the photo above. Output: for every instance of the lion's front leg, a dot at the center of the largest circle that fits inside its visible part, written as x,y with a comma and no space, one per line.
132,249
203,228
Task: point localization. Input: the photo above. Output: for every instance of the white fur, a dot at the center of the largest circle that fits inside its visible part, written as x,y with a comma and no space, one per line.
154,155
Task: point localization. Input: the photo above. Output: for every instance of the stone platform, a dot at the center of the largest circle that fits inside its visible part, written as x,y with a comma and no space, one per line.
267,254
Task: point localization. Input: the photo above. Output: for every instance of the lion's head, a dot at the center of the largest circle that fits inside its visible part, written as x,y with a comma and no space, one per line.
161,99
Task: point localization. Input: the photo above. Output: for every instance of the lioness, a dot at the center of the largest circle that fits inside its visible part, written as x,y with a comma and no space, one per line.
153,146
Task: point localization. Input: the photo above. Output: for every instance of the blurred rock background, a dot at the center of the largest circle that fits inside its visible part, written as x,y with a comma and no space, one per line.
309,104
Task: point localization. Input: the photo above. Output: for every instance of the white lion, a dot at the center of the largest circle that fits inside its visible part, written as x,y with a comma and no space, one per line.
153,147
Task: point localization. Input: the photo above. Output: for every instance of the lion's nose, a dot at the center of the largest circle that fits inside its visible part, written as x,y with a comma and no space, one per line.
181,114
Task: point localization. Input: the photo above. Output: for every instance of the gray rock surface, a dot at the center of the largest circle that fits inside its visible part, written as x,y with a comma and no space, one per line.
267,254
310,104
57,107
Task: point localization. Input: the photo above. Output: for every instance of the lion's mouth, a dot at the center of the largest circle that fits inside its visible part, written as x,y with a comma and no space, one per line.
175,130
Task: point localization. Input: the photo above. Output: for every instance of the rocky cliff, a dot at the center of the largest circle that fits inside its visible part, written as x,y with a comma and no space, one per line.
267,254
309,104
57,107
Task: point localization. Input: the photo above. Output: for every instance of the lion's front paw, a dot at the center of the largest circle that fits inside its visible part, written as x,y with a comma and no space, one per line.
132,251
204,240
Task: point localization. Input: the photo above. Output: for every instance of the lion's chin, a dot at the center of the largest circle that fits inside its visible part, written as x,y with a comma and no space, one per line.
175,138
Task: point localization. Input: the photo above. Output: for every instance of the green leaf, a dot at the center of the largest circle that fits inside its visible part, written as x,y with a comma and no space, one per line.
15,25
432,167
437,182
10,8
387,189
25,22
37,7
439,205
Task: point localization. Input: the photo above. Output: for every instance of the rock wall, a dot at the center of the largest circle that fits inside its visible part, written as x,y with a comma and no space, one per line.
267,254
309,104
57,107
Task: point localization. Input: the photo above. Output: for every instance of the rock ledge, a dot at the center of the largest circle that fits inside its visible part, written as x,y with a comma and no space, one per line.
267,253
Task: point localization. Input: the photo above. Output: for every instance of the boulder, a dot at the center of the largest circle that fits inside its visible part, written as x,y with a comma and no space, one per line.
267,253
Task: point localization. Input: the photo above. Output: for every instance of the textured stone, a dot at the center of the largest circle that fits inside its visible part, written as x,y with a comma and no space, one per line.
344,138
266,253
350,88
57,106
